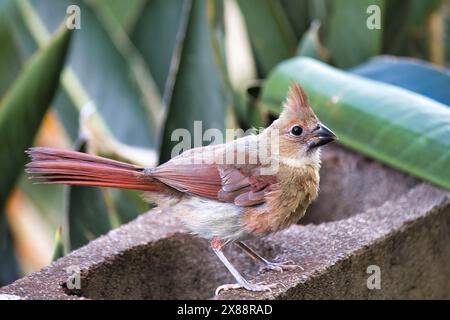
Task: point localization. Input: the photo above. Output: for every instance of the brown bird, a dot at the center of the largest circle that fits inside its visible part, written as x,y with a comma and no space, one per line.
228,193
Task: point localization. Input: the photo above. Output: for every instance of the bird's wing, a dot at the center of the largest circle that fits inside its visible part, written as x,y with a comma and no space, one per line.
198,179
244,187
196,173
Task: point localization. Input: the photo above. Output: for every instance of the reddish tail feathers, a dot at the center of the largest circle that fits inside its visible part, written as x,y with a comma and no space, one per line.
57,166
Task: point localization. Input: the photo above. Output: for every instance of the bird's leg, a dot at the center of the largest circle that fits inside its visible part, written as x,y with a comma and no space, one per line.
277,266
217,246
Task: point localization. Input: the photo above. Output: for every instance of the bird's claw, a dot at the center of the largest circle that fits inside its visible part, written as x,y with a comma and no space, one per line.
249,286
281,266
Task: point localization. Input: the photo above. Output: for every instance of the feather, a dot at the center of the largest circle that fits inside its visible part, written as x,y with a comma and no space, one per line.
57,166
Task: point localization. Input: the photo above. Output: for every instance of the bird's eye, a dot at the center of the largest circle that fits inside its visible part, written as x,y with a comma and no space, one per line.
296,130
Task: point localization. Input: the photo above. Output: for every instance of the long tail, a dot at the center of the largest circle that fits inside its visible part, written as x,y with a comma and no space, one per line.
58,166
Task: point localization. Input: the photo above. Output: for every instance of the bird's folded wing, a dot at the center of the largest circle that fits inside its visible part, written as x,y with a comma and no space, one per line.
242,185
198,179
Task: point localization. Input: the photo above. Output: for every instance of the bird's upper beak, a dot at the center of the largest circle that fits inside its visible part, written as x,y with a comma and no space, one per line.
321,136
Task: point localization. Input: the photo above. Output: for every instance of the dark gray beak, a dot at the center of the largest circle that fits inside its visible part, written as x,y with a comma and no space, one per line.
320,136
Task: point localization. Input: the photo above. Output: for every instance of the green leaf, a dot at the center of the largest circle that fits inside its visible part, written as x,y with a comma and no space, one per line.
24,106
298,14
248,111
128,204
420,10
405,33
396,126
411,74
99,72
87,213
134,59
48,199
19,46
10,62
58,252
347,35
198,87
319,9
125,12
21,111
67,112
9,268
157,33
311,46
117,84
271,35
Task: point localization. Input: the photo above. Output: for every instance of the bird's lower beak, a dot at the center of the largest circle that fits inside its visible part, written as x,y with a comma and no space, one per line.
321,136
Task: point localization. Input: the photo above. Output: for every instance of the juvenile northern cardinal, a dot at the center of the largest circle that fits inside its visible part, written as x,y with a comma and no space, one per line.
218,200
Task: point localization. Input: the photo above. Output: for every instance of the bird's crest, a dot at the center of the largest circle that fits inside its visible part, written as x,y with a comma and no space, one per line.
296,104
296,98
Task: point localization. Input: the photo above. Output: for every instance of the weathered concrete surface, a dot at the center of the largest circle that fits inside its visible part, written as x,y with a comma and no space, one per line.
411,248
352,184
366,214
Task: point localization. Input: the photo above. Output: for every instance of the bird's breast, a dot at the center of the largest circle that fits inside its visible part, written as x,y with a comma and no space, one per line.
284,206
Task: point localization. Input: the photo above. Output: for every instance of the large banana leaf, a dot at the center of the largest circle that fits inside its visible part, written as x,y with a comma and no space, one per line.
415,75
21,112
396,126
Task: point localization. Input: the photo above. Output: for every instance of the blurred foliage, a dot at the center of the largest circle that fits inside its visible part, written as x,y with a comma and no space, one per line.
138,69
21,111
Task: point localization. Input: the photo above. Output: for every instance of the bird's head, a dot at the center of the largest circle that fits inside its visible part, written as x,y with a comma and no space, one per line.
300,131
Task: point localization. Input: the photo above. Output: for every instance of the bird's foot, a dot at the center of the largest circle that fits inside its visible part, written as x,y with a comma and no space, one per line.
281,266
248,286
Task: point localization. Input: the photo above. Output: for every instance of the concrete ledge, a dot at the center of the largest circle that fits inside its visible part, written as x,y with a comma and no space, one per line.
366,214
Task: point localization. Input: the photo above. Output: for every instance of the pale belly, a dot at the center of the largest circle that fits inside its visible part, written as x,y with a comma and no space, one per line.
211,219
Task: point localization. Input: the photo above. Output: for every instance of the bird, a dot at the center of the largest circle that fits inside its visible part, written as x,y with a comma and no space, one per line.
226,193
